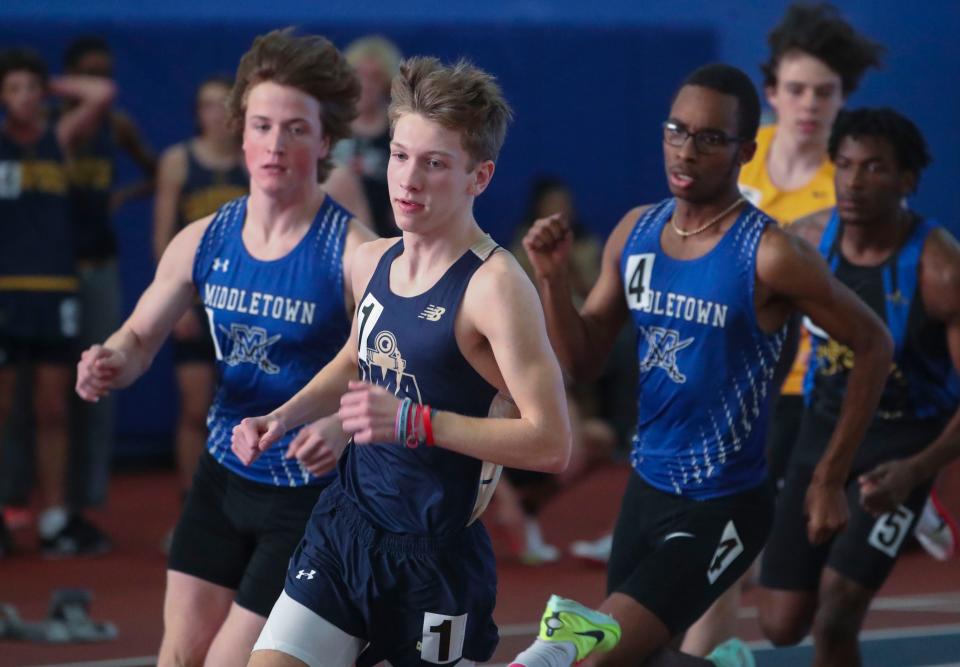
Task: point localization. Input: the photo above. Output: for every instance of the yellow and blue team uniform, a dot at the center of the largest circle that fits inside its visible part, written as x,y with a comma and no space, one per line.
921,393
393,553
39,309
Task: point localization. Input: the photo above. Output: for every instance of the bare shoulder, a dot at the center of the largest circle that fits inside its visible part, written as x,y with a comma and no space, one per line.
193,232
180,253
626,224
782,256
617,241
941,249
500,291
500,279
358,233
810,228
940,274
173,162
365,259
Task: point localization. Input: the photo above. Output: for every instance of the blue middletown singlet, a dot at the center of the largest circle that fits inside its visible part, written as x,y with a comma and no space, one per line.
705,364
274,323
922,383
407,344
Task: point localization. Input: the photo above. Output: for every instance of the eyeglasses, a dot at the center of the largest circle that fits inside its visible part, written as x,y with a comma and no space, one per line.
706,141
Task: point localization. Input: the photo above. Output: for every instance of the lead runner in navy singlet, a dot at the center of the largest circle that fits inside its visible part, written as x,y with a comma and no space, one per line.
709,283
272,273
393,555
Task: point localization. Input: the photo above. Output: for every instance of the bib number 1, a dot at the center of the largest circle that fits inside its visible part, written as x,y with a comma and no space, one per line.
443,635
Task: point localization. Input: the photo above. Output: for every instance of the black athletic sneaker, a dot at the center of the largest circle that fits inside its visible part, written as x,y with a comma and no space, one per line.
78,538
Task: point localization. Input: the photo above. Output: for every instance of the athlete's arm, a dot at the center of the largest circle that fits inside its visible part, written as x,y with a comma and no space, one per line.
93,96
130,139
171,175
344,186
790,271
501,310
887,486
582,340
810,229
128,353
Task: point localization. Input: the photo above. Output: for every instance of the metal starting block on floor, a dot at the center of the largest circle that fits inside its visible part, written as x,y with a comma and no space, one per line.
67,621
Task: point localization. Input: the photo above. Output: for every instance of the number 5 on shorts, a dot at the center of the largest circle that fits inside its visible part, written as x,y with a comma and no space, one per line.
442,640
890,529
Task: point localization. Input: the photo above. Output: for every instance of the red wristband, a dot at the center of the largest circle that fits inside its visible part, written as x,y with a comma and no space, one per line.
427,426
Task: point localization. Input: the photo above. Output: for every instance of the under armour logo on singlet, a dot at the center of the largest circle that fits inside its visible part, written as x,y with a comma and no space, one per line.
432,313
662,347
221,264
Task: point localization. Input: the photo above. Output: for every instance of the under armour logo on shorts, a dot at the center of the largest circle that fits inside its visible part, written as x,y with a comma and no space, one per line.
303,573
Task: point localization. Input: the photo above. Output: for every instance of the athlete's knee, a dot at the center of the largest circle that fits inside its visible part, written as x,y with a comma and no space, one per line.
786,624
784,630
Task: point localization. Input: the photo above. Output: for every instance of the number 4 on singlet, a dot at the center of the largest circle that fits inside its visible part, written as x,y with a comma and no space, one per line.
637,277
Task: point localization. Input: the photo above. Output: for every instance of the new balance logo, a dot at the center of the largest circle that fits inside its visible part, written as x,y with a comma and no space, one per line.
303,573
727,551
221,264
432,313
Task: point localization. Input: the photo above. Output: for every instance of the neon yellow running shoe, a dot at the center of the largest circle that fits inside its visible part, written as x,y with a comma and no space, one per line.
588,630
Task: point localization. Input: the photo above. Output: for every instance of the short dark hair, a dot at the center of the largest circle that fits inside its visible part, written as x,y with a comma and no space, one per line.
732,81
23,60
904,136
83,45
820,31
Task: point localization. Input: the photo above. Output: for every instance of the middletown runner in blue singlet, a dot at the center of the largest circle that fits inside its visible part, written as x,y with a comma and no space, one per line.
709,282
699,494
274,324
920,396
418,503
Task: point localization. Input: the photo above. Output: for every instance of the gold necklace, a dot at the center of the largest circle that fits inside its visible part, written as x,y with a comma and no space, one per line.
709,224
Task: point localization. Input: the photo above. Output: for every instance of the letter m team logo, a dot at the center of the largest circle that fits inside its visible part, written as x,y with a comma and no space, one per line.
250,345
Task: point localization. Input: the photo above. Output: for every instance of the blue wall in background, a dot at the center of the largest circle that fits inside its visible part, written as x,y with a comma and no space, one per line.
589,83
